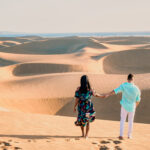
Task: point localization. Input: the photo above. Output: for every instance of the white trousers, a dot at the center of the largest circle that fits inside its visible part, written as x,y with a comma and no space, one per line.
123,116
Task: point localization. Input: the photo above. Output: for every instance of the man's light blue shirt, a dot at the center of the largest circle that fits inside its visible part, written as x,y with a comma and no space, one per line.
130,95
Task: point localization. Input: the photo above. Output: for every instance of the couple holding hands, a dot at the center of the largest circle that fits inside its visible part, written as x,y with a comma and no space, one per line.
131,96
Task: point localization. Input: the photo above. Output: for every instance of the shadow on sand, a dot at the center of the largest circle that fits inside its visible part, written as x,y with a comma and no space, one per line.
47,136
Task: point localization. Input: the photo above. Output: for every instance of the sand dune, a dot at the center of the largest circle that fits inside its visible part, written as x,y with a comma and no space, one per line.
40,76
42,68
6,42
135,61
125,40
53,46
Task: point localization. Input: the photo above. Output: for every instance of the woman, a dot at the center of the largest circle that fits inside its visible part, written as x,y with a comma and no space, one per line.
86,113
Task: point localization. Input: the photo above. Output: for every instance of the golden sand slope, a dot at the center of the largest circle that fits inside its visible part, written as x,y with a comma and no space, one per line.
28,131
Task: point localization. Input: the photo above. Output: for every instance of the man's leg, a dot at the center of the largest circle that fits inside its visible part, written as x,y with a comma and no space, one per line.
122,120
130,123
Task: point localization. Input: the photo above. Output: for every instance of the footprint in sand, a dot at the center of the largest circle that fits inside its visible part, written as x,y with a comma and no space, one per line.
104,148
68,140
29,140
77,138
16,142
117,142
6,146
96,143
105,142
17,148
118,148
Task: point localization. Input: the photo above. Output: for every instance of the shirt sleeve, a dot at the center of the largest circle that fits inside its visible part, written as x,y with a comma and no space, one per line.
77,93
138,98
119,89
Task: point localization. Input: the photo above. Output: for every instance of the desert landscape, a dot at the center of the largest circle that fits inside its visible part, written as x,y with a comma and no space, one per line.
38,79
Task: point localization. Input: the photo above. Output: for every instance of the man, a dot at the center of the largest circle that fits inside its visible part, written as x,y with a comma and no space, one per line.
131,96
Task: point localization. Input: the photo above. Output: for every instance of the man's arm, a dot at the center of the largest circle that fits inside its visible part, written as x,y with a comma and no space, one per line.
115,91
109,94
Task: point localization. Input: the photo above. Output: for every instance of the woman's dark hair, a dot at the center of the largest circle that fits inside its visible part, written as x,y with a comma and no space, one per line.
85,84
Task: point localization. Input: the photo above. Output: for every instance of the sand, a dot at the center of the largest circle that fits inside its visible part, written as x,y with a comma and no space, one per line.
38,78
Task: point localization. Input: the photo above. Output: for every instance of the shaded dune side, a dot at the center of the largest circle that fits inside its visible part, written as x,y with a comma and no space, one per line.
109,109
6,42
125,40
106,109
133,61
53,46
21,39
4,62
28,69
2,46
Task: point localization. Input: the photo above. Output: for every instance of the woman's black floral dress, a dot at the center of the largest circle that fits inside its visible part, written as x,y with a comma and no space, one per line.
86,111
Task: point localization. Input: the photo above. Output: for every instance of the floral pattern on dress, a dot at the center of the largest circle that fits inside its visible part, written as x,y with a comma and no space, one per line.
86,111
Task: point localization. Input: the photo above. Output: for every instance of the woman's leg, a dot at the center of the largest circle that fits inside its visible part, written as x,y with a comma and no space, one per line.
87,129
82,129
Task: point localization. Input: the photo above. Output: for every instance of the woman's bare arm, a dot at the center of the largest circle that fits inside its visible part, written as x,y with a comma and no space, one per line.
76,103
99,95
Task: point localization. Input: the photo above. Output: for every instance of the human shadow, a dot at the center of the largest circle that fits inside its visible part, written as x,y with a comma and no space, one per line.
34,137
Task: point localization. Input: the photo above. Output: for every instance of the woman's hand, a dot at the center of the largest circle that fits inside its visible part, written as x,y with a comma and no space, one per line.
101,95
106,95
74,110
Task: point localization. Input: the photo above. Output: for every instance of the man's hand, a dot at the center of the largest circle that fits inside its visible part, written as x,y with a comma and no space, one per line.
109,94
137,103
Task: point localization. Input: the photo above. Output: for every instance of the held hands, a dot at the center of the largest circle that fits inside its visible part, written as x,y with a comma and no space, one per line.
107,94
